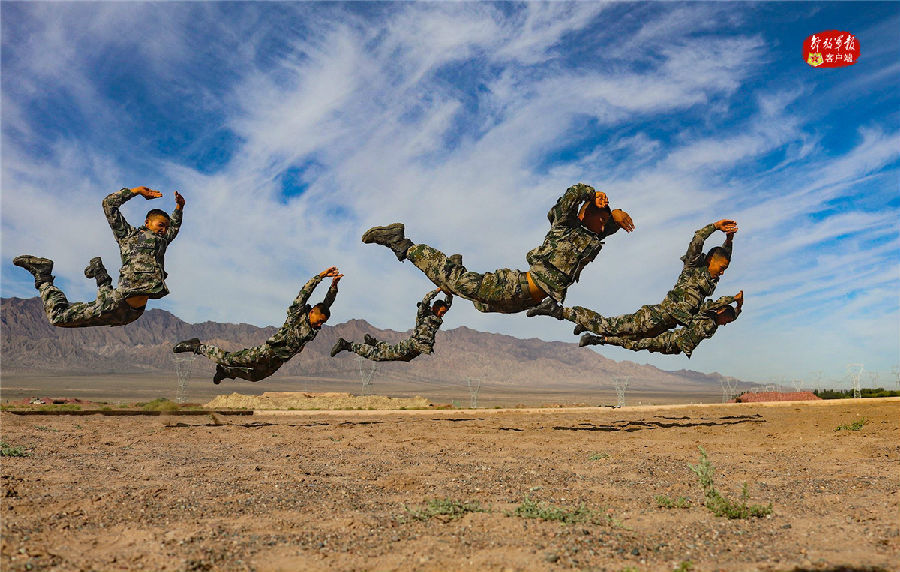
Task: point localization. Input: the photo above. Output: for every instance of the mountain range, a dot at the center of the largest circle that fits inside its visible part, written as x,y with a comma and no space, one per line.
30,345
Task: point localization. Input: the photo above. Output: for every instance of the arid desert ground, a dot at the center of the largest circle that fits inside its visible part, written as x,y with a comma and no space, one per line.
351,490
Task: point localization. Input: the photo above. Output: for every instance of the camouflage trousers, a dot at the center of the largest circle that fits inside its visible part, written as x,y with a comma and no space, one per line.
504,291
647,322
109,309
406,350
252,364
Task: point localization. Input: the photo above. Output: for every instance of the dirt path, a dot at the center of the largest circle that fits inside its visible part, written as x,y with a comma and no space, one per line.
340,490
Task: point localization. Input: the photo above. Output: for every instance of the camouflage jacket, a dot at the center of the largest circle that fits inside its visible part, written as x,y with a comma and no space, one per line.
297,331
569,245
695,283
428,323
681,340
142,251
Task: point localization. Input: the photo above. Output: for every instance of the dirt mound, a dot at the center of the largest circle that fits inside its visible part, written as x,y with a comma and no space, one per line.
304,400
777,396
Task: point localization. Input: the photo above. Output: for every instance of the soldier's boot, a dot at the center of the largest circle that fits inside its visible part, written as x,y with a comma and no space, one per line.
579,329
370,340
390,236
339,346
191,345
219,376
590,340
549,307
40,268
95,269
456,259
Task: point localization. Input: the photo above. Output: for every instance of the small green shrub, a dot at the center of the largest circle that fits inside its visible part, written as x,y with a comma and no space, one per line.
598,456
7,450
533,509
663,501
160,404
855,426
446,507
719,505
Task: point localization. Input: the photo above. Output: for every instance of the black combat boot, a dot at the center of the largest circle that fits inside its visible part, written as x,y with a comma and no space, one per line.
548,307
191,345
370,340
456,259
95,269
590,340
579,329
219,376
340,345
39,267
390,236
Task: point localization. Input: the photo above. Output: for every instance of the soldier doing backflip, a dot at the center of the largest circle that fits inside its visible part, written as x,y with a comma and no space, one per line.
703,325
259,362
429,318
698,279
141,277
579,222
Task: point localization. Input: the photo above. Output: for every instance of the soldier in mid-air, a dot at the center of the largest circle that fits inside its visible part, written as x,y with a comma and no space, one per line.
579,222
141,277
703,325
698,279
259,362
428,321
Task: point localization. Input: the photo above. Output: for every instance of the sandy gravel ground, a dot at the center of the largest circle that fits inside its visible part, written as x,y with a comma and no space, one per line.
340,490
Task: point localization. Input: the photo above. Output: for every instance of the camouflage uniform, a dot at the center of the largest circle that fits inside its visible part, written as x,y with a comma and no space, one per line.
142,273
682,340
261,361
109,309
679,306
554,266
142,251
421,342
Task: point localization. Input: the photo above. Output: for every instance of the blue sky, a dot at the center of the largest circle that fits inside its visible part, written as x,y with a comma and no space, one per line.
290,128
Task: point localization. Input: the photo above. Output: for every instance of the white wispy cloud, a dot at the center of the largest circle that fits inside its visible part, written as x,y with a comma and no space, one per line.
459,120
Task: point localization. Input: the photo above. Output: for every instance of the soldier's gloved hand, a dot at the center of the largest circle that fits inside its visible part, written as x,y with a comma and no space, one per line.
146,192
623,219
179,200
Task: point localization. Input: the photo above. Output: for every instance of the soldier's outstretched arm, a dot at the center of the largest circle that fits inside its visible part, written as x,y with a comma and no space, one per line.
695,248
424,307
332,290
175,219
111,204
570,203
306,291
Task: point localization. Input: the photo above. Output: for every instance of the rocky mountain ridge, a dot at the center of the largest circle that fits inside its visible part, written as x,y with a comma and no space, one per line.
30,345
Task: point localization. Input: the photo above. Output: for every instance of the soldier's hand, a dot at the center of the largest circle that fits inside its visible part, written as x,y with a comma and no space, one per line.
726,225
739,297
332,271
336,279
600,199
179,200
623,219
146,192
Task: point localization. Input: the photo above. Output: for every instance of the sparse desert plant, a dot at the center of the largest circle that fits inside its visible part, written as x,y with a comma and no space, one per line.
664,501
446,507
530,508
855,426
718,504
7,450
45,428
160,404
684,566
598,456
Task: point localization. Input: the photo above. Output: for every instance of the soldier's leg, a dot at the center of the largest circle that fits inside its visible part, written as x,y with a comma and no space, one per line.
383,351
97,271
585,319
252,364
109,309
498,291
647,322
